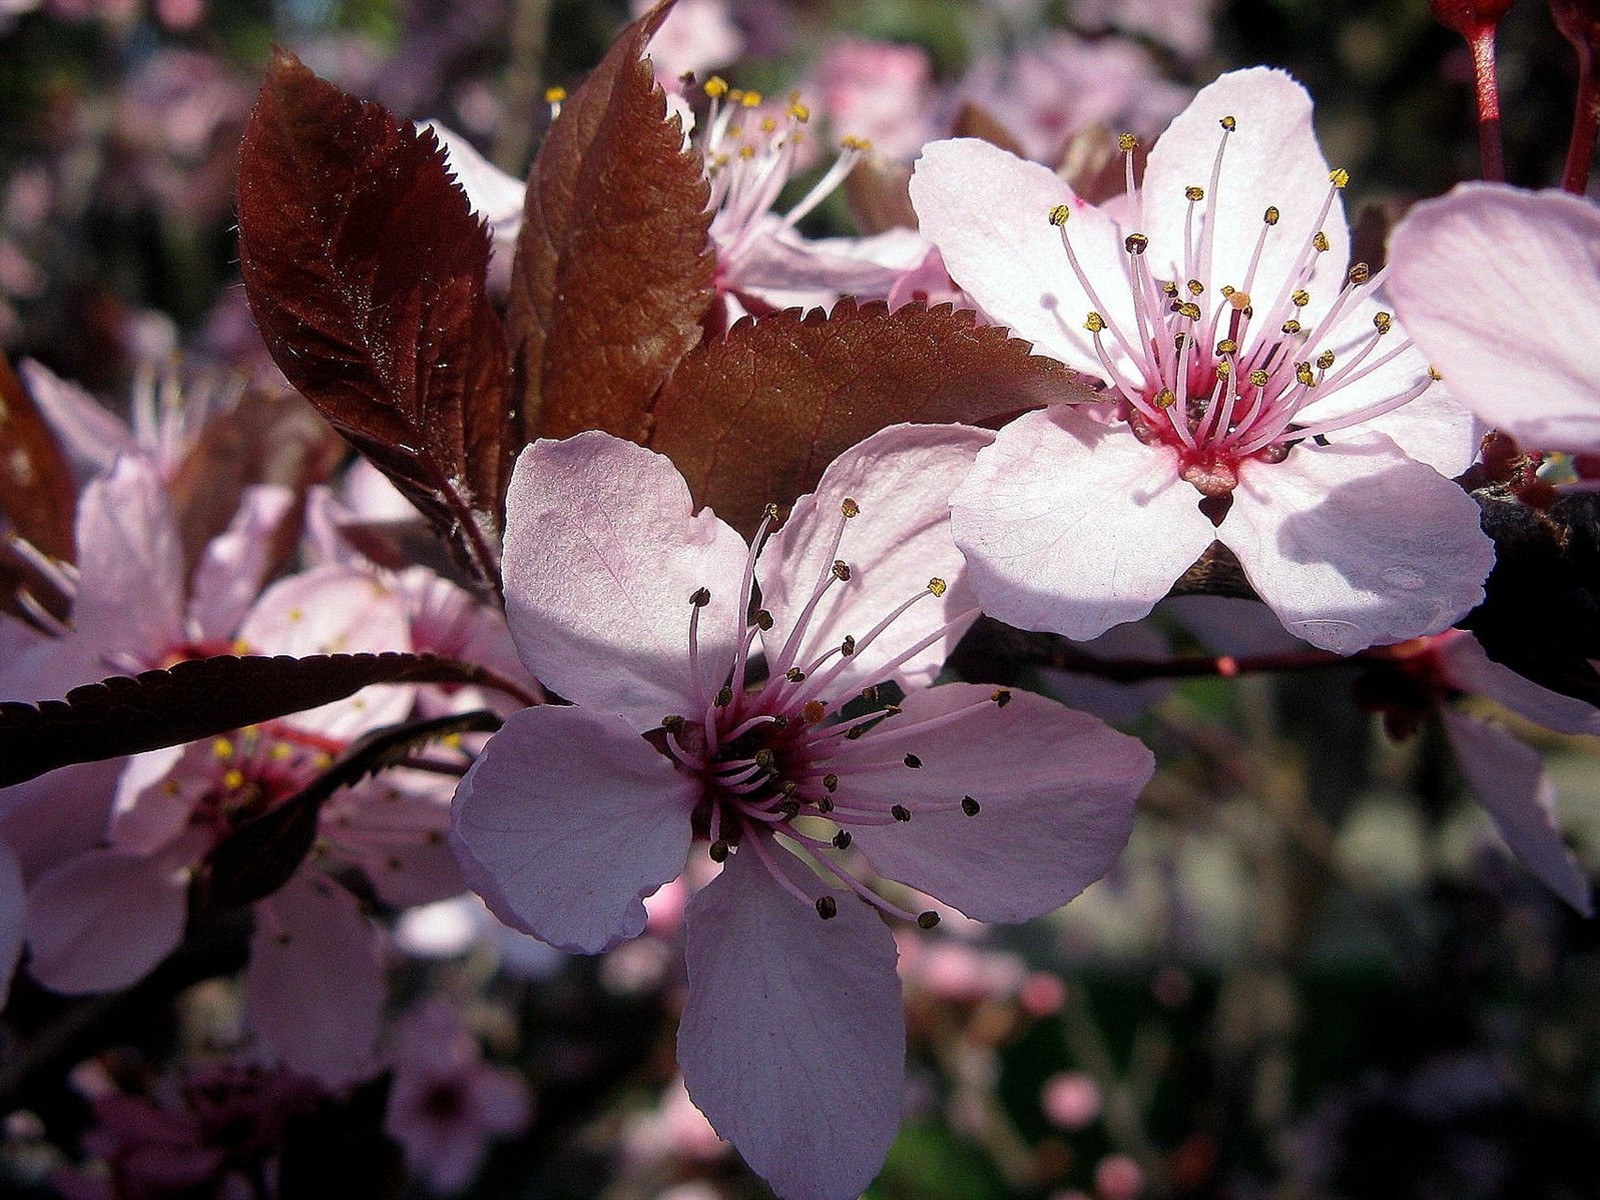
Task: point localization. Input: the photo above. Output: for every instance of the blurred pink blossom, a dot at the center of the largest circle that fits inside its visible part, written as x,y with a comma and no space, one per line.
1071,1099
446,1104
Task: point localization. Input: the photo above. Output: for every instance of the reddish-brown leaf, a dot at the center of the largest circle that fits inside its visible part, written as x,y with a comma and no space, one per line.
613,272
754,418
365,270
267,437
198,698
36,494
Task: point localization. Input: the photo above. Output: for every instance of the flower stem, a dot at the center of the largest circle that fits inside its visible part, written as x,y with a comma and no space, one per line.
1490,153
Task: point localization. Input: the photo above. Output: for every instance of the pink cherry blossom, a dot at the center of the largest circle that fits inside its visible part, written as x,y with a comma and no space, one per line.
752,149
1062,85
697,36
880,91
626,601
1500,287
446,1103
1263,393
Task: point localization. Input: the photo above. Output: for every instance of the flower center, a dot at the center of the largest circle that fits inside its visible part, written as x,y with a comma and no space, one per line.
1218,375
764,745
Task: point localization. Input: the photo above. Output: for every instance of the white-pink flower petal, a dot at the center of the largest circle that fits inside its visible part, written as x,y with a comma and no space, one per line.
792,1041
1508,779
1055,791
901,479
1073,526
566,821
1501,289
603,549
1356,545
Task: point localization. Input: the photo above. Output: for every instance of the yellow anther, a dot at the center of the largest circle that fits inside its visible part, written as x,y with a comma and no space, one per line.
750,99
451,741
1433,374
1301,298
1383,321
859,144
233,780
1187,309
239,646
1320,240
280,751
1229,124
296,614
1194,193
1271,215
1169,288
322,760
1224,369
716,87
769,124
222,748
1291,326
1165,398
799,111
1135,243
936,586
1227,346
1195,287
1094,322
747,152
1227,290
1302,372
1059,215
849,508
1360,273
1258,378
555,95
1339,177
1126,143
1325,360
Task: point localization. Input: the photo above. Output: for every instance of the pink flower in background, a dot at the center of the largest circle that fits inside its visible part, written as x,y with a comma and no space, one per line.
1063,85
1501,289
1264,395
446,1104
880,91
697,36
626,602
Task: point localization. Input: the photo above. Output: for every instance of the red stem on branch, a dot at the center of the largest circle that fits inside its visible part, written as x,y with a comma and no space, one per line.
1475,21
1491,155
1579,22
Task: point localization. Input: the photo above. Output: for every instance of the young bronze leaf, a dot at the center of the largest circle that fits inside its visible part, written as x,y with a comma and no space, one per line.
365,269
36,495
754,418
198,698
613,272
